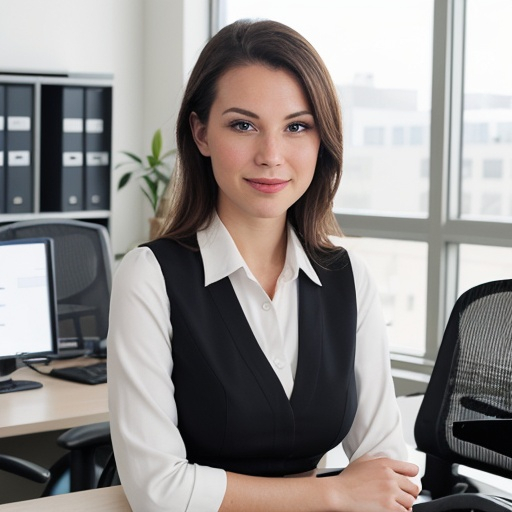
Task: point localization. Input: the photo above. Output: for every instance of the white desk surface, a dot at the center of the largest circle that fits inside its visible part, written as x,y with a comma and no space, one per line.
59,404
110,499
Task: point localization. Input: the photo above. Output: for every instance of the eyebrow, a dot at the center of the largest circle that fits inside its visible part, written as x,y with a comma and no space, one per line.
248,113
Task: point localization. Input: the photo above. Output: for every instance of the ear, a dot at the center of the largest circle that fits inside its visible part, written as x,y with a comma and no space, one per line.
200,134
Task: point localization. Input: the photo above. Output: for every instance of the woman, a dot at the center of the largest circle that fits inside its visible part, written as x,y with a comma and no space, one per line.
245,343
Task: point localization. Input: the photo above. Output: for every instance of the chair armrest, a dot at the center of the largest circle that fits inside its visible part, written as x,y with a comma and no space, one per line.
465,502
86,436
24,469
494,434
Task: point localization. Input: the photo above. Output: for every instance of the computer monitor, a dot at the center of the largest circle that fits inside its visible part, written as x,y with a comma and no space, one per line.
28,320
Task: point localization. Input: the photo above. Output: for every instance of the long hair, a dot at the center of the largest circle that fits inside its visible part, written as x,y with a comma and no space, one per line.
275,45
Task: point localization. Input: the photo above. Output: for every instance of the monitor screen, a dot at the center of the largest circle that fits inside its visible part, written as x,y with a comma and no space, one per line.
27,298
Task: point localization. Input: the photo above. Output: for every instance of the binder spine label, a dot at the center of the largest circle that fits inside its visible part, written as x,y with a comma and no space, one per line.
97,158
2,123
94,125
1,158
19,158
72,125
18,123
72,159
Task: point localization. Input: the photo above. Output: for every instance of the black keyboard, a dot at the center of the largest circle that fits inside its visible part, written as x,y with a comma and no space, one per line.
89,374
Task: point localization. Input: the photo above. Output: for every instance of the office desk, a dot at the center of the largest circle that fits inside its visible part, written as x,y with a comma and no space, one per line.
59,404
110,499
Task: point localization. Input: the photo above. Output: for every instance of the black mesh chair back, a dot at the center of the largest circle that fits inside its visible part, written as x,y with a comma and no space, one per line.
472,379
83,270
466,414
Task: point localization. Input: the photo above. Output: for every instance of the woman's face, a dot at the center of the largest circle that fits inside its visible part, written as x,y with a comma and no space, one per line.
262,141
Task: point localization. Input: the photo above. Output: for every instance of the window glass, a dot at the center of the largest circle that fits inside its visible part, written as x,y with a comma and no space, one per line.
400,270
479,264
487,111
379,54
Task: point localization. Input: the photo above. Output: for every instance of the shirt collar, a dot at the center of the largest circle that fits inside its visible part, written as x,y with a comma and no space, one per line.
221,257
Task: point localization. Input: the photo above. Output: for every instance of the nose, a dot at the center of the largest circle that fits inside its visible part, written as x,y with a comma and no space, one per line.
269,151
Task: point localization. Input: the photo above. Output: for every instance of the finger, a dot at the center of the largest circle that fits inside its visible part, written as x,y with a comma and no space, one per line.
406,500
409,487
403,468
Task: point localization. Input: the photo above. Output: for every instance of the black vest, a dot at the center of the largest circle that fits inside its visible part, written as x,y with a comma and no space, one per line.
232,410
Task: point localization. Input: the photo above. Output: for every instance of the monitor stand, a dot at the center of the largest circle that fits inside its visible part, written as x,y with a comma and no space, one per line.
8,385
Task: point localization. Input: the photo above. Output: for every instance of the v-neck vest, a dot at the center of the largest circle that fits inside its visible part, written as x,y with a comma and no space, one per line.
233,412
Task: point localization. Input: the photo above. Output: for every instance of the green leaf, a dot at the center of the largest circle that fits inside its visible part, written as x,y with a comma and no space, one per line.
153,161
132,156
125,178
160,176
152,185
151,201
152,169
156,145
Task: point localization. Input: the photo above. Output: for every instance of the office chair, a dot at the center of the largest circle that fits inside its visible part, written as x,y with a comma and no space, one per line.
83,263
466,414
24,468
89,462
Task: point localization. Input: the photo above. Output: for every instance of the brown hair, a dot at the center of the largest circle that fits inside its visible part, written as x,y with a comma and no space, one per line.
275,45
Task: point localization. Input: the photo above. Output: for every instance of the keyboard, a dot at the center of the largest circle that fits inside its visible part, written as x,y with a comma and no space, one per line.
89,374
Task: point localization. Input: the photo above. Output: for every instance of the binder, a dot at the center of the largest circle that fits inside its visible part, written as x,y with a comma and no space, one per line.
98,107
19,178
2,149
62,148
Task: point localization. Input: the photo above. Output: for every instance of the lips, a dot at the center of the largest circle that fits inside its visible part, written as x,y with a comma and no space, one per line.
267,185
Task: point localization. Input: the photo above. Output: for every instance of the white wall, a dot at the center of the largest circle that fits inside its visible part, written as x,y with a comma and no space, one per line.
141,42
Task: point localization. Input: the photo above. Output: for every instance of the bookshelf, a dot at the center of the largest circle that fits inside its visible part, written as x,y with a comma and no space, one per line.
55,146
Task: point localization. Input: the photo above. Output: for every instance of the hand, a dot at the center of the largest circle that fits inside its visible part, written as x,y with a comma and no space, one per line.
377,484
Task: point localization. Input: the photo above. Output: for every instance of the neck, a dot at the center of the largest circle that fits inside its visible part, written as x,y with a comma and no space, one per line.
262,244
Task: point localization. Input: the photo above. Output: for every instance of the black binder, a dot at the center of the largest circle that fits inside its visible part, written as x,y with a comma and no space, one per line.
98,107
2,149
62,148
19,179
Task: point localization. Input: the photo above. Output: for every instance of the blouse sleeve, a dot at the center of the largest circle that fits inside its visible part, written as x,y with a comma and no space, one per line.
377,428
150,452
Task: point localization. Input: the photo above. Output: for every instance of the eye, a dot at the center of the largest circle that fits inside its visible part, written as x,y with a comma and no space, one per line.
297,127
242,126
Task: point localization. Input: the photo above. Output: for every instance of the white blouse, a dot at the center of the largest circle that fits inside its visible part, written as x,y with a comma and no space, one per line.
150,453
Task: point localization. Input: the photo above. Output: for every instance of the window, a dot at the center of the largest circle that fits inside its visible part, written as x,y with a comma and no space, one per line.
400,269
426,195
476,133
493,169
504,133
478,264
373,136
424,168
487,106
416,135
467,168
398,135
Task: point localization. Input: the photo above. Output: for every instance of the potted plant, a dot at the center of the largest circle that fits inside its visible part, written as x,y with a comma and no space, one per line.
154,171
